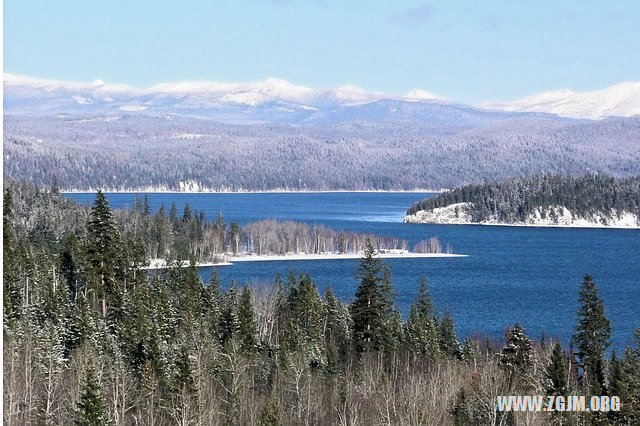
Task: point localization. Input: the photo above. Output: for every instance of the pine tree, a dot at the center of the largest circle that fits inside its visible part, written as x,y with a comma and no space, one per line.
303,330
12,296
229,318
421,332
556,374
592,336
184,380
102,250
392,332
618,384
213,304
247,328
92,407
517,355
449,344
68,264
626,383
372,310
337,337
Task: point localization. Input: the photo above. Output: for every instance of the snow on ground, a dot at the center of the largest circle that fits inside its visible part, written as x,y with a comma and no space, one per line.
230,260
453,213
553,216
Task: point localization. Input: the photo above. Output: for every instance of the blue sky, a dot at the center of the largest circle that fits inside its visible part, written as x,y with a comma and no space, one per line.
465,50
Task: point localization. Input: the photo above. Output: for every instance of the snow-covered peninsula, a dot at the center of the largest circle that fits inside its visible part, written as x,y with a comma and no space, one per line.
560,216
589,201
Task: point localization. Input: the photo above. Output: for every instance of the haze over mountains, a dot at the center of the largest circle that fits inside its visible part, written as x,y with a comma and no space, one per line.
275,135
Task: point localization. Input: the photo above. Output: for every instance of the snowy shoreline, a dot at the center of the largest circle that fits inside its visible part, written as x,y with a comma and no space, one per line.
552,217
270,191
532,225
230,260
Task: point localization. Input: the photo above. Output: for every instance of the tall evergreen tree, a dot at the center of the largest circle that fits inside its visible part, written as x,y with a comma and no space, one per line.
371,311
517,355
421,332
303,330
229,318
337,330
92,407
102,250
557,372
12,296
247,327
592,336
449,344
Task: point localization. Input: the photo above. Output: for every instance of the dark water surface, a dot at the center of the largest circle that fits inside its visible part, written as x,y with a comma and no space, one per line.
530,275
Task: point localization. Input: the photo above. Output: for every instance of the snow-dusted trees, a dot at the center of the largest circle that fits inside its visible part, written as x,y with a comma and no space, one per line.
177,351
592,337
275,237
143,152
516,200
375,320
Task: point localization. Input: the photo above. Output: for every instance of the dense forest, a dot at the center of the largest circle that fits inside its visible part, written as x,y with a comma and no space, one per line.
514,200
92,339
181,153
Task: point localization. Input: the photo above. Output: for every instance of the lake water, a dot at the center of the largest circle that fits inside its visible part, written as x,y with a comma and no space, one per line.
530,275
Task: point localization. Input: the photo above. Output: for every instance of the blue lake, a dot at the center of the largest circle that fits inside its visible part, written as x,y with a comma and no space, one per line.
530,275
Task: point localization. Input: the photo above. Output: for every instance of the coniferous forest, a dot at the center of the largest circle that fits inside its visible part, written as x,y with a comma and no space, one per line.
91,338
514,199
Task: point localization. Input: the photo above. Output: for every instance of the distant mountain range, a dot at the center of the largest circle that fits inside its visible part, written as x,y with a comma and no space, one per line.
278,101
621,100
195,136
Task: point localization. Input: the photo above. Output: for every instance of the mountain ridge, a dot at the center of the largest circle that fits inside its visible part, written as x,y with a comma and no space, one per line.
274,99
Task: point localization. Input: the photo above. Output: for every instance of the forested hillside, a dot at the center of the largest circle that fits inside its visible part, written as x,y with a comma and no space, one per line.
520,200
181,153
90,338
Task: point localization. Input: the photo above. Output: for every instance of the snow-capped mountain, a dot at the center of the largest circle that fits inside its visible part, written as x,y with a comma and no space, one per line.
621,100
193,92
278,101
271,100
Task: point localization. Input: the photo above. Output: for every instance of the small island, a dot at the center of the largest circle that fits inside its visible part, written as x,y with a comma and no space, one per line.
543,200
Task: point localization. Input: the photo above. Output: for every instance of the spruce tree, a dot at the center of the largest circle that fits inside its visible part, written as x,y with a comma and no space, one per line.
628,383
449,344
184,380
212,301
557,371
303,330
372,310
517,355
229,318
247,327
102,250
421,332
337,329
12,293
392,332
592,336
92,407
618,386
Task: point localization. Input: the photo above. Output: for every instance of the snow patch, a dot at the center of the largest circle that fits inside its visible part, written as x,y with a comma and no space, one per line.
188,136
453,213
132,108
81,100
